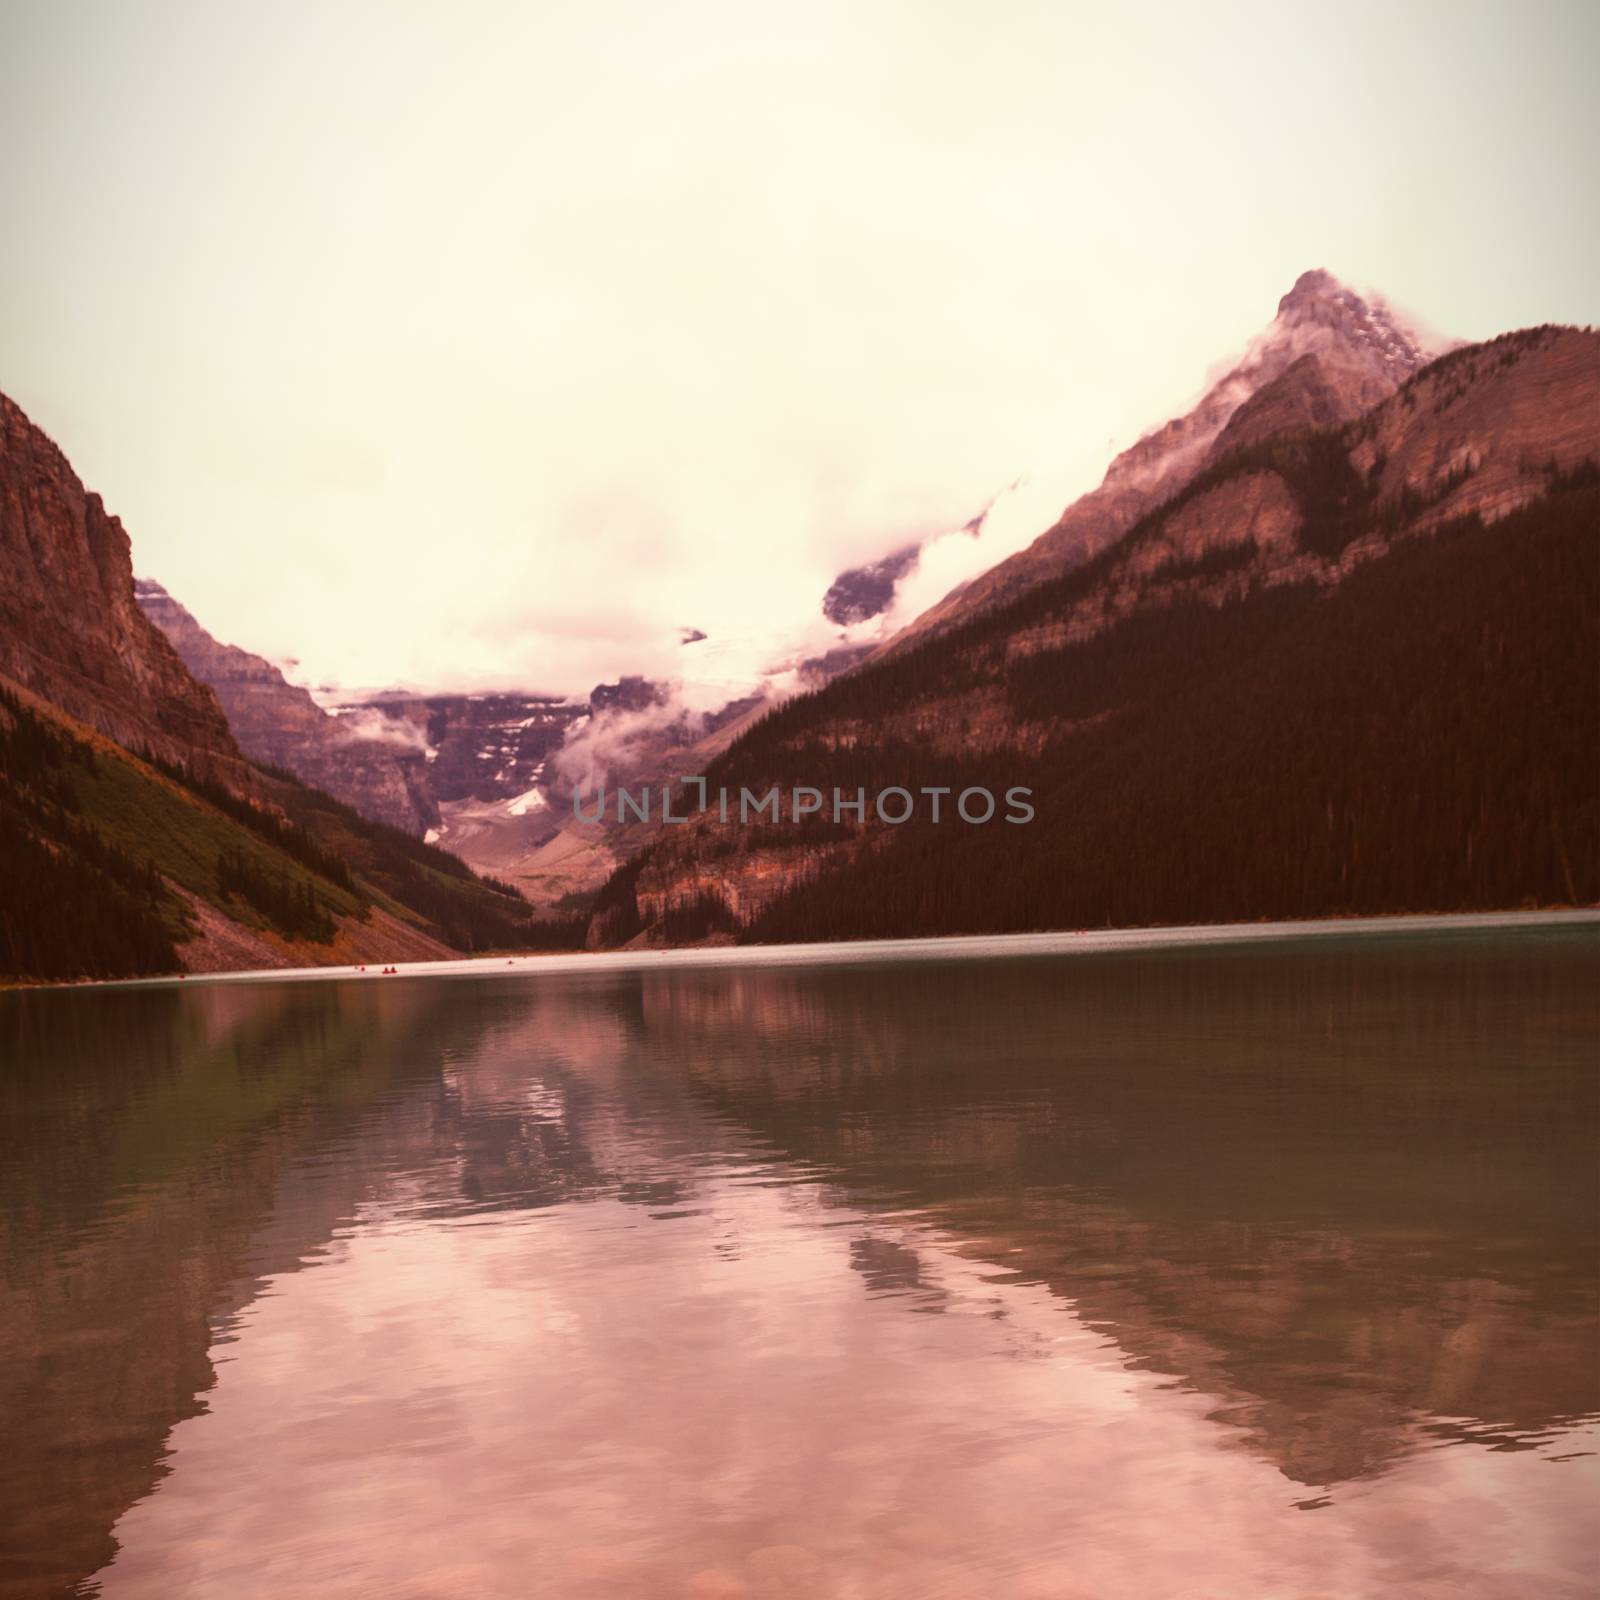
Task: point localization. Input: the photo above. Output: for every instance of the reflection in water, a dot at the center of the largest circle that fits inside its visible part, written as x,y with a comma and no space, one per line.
1263,1270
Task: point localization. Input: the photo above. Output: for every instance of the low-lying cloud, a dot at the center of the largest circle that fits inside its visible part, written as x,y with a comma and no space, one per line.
373,725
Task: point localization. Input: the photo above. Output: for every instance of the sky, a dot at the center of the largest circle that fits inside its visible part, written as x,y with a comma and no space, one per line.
491,344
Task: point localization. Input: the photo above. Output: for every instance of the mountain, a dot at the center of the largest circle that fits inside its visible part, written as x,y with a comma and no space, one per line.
1338,667
135,835
632,732
475,746
1327,357
279,724
1328,644
71,630
396,757
468,770
475,773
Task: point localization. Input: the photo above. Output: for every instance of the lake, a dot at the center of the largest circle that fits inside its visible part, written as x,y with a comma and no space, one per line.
1231,1269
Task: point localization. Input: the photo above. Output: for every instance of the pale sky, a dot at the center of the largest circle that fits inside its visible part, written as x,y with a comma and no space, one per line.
488,344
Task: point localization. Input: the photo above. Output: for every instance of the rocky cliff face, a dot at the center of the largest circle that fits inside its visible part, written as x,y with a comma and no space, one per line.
1327,357
474,773
506,794
275,722
1481,430
71,629
415,762
481,747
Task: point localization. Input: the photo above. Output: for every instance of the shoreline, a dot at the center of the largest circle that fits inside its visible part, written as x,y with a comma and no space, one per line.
980,946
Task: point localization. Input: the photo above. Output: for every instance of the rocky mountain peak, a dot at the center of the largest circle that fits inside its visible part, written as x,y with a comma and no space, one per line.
1328,356
1310,287
1321,314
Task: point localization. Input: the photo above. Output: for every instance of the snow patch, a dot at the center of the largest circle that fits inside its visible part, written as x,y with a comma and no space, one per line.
524,803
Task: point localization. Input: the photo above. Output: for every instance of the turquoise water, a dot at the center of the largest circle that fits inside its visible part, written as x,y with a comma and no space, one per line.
1233,1270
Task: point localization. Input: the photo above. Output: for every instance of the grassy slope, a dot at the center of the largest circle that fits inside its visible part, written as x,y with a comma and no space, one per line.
147,814
89,786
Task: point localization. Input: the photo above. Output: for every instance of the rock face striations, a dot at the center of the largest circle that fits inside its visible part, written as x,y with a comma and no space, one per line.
404,759
71,630
479,746
384,776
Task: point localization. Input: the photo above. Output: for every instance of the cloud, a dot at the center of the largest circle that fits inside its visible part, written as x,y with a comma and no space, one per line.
487,347
371,724
607,746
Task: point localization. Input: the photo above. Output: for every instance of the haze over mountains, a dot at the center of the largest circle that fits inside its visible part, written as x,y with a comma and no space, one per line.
279,723
1320,644
1326,357
484,775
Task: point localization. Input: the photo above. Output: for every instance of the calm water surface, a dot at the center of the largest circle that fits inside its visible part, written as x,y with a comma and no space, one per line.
1256,1271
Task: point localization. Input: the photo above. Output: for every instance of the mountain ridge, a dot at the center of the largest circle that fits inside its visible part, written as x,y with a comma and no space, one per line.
70,628
279,723
1490,443
1362,352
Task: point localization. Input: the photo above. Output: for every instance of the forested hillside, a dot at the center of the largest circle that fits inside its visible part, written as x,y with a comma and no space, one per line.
117,865
1420,736
1326,668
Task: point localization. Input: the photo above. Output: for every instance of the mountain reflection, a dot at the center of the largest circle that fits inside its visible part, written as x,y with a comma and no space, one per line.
1341,1191
153,1180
